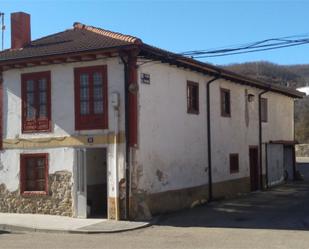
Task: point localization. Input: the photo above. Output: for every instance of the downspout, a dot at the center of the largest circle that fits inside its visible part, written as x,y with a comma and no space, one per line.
129,59
127,157
210,194
260,137
293,148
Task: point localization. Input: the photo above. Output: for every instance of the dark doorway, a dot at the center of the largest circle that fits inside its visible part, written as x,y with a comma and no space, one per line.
96,182
289,162
254,168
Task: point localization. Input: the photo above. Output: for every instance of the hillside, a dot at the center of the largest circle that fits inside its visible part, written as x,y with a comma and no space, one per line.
292,76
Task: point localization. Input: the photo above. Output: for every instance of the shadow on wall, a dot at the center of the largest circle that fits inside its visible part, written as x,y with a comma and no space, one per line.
283,207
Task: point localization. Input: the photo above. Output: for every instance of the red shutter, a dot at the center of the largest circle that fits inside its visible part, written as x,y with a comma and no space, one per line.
36,123
91,120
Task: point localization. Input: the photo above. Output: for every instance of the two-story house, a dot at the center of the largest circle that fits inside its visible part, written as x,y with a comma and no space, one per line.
97,123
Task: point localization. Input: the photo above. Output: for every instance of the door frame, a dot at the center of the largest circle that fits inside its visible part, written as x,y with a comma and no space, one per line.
259,174
81,193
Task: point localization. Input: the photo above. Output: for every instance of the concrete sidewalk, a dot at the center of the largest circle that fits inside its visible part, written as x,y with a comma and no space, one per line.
53,223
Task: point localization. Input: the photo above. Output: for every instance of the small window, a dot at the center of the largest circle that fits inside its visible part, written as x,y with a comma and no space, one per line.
192,97
225,102
234,163
34,173
36,103
264,110
91,98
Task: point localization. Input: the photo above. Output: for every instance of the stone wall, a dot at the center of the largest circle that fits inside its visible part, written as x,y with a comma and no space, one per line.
57,202
302,150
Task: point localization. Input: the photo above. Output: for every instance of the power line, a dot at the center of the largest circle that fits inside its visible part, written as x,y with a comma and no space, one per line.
264,45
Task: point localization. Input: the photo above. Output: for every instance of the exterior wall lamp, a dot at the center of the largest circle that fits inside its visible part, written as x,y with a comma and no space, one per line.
250,97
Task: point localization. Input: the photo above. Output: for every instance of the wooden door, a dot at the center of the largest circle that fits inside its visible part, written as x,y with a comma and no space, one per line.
254,168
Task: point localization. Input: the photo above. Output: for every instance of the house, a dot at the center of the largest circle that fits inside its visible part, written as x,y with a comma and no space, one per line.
97,123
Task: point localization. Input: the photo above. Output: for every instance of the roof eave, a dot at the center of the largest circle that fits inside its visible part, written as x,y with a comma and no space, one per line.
28,59
206,68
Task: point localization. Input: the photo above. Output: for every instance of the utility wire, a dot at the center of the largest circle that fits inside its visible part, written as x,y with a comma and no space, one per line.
250,51
264,45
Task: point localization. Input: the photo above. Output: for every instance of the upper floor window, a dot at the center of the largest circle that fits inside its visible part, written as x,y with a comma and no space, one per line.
264,110
91,98
225,96
36,102
192,97
234,163
34,173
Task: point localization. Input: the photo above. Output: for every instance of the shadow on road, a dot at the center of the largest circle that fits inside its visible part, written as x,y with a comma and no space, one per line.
283,207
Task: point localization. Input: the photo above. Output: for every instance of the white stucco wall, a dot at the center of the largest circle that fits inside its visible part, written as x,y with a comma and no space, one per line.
59,159
62,101
172,149
235,135
173,144
62,118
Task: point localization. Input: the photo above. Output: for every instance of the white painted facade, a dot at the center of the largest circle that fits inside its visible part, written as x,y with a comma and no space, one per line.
63,123
173,143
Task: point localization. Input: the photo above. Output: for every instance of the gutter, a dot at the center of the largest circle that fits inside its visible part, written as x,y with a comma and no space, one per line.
261,137
210,192
127,157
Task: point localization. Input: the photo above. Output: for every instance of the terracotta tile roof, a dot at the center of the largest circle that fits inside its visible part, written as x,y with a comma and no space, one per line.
79,39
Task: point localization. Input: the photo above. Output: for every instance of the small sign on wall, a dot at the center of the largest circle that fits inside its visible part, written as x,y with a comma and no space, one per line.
90,140
145,78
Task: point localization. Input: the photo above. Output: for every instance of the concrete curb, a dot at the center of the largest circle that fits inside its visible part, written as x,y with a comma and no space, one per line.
14,228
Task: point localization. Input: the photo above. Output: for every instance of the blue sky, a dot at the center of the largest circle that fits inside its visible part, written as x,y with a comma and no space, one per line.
178,25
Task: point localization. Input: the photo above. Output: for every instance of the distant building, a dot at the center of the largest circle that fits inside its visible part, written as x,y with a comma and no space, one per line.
97,123
304,89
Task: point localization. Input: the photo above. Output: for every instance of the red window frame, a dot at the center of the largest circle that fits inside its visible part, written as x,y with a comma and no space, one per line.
37,124
23,173
225,96
234,163
192,100
264,110
90,121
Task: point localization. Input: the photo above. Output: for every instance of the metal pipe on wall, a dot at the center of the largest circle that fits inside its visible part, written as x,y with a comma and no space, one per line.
261,136
210,191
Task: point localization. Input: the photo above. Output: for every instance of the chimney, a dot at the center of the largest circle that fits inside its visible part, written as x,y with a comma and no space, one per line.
20,30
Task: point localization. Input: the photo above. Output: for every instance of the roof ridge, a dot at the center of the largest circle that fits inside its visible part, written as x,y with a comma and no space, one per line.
115,35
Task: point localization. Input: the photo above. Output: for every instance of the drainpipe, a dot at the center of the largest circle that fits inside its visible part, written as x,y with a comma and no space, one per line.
210,195
127,157
260,137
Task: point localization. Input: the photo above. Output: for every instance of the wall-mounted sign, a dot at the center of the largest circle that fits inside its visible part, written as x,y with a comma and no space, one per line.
90,140
145,78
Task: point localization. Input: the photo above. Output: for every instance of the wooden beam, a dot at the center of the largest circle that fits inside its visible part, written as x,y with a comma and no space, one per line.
74,58
89,57
58,61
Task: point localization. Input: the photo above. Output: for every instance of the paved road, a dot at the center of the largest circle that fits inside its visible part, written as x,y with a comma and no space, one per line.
273,219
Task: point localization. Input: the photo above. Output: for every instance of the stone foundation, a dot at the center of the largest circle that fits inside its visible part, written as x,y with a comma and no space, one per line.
57,202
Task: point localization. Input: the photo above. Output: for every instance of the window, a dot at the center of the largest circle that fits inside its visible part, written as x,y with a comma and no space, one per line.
264,111
36,103
34,173
91,98
225,102
234,163
192,97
